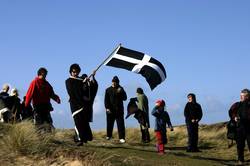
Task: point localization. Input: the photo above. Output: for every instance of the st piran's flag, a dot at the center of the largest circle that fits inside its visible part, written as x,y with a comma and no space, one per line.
138,62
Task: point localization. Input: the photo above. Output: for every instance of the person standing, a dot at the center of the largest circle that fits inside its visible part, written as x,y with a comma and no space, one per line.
26,112
15,106
4,104
240,113
162,119
143,106
5,90
80,99
114,97
193,114
91,87
40,92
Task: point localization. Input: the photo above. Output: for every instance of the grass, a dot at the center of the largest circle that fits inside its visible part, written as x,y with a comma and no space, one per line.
21,144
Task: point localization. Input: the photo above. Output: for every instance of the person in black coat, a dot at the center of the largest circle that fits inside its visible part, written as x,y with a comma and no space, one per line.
26,112
193,114
80,98
4,104
114,97
15,106
90,87
240,113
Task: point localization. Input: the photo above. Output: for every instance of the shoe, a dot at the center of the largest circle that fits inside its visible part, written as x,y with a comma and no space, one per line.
80,143
161,153
108,138
197,150
240,162
122,141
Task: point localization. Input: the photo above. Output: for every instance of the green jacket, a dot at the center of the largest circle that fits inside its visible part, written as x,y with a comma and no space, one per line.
143,105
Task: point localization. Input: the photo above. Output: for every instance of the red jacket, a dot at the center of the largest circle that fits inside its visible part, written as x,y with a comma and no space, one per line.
40,91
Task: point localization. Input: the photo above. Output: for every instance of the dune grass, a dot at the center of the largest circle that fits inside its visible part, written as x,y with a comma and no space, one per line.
21,144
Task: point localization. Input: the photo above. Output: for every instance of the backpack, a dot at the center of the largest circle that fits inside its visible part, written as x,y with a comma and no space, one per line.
231,124
231,130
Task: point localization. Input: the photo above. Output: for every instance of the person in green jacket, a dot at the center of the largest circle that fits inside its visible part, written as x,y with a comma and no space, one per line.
143,106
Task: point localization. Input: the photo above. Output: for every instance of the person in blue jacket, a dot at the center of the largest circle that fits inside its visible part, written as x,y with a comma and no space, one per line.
161,120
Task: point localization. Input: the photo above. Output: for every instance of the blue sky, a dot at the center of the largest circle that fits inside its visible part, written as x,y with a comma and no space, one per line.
204,46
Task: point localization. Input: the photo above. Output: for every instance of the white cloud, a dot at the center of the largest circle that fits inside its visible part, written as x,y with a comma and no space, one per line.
175,107
98,105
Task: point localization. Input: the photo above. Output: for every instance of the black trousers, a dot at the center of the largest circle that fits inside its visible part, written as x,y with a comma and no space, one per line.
243,135
82,127
145,136
43,120
192,129
120,124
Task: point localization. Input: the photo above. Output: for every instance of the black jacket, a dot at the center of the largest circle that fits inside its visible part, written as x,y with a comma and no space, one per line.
92,90
244,111
192,111
76,91
4,100
114,99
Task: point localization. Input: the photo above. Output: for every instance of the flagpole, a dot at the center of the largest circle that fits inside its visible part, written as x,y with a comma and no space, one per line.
105,60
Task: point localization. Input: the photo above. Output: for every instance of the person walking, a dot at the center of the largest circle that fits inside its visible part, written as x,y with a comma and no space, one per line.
240,113
40,92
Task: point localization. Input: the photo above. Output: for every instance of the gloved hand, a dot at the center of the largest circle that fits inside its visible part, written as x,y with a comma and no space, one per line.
58,100
108,111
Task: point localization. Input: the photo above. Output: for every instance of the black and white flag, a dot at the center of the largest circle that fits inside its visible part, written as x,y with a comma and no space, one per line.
138,62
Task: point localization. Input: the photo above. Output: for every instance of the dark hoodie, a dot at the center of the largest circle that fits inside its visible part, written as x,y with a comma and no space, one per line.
192,110
114,99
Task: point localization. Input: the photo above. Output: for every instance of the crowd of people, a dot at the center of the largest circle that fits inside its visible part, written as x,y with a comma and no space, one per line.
82,91
11,108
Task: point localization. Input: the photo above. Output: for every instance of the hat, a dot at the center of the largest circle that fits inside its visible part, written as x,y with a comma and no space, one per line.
160,103
139,90
116,79
84,76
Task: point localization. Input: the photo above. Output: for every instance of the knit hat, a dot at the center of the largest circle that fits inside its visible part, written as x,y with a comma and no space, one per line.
139,90
116,79
160,103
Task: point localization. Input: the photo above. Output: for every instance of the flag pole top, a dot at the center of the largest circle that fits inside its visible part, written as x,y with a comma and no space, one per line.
120,44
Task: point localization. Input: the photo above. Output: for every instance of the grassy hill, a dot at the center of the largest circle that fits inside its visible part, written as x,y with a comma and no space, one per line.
20,144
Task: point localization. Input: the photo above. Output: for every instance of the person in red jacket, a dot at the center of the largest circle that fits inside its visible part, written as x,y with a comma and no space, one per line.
40,92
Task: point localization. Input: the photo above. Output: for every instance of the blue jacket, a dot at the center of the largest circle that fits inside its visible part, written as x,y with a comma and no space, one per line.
162,119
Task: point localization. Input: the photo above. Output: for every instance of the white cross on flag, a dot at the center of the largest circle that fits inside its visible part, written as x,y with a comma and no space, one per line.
139,63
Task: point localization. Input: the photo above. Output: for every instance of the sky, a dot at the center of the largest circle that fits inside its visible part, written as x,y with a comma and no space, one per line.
203,45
